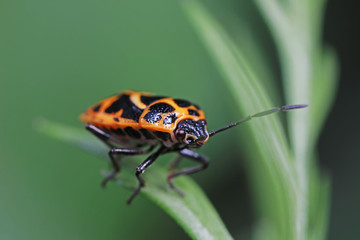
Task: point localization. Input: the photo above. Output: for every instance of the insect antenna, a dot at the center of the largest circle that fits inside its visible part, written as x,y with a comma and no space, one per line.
259,114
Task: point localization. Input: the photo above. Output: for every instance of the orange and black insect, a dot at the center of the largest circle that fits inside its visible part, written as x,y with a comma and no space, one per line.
135,120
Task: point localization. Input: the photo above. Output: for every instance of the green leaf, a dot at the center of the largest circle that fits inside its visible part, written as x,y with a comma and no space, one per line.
279,169
194,213
319,203
271,161
310,75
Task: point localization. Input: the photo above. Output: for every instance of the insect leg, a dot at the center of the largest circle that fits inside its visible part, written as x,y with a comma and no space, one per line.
141,169
114,161
192,156
107,139
175,162
100,134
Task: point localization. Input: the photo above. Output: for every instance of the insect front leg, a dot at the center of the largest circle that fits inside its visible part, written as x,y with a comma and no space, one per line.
192,156
114,160
141,169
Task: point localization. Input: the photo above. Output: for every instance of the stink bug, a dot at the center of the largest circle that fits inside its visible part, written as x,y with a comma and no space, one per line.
135,120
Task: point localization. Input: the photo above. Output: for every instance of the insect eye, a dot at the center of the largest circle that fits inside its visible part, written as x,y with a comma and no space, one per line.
180,133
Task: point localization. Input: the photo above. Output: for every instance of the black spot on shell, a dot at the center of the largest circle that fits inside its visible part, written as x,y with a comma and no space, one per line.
130,110
155,111
132,132
162,135
152,117
146,134
193,112
133,114
161,108
97,108
147,100
169,119
116,119
182,103
117,105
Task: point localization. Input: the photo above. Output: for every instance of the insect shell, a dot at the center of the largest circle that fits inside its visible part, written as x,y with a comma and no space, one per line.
136,119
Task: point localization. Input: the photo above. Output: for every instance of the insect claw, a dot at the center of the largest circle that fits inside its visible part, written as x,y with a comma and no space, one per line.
109,177
103,184
172,186
179,191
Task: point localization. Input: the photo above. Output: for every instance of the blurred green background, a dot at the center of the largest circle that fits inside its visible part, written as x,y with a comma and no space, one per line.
58,57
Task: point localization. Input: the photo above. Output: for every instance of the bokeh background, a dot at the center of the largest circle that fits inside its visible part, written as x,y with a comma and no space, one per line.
58,57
